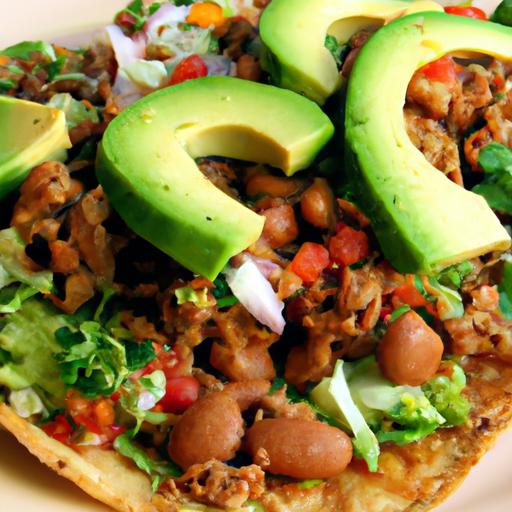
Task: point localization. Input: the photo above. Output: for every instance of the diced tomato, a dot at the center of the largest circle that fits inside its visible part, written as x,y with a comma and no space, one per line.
349,246
188,69
60,429
467,11
310,262
440,70
89,423
206,14
180,394
410,295
176,362
125,19
104,413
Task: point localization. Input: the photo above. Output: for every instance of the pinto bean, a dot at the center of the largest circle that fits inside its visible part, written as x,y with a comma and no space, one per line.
273,186
410,352
248,68
299,448
211,429
247,391
280,226
317,204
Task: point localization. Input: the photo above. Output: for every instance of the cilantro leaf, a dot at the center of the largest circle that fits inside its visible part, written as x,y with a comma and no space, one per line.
496,161
505,290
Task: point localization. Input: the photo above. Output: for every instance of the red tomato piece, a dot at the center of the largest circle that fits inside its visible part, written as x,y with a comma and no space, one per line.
125,19
410,295
467,11
60,429
440,70
310,262
180,394
349,246
188,69
90,424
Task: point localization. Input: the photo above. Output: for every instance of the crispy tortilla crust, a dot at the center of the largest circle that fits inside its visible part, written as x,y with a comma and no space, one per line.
414,478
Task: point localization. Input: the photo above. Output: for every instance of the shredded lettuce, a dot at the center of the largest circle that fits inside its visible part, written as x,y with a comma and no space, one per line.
505,290
76,112
150,74
26,49
28,347
360,399
137,398
13,269
333,396
139,354
92,361
157,470
26,403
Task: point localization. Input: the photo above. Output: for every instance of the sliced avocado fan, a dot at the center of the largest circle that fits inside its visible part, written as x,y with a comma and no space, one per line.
146,162
424,221
294,35
30,134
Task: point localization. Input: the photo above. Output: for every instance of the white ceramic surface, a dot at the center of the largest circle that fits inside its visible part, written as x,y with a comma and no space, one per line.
28,486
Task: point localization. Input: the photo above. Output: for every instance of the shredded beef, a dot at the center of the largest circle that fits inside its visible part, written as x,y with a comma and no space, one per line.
242,351
434,142
215,483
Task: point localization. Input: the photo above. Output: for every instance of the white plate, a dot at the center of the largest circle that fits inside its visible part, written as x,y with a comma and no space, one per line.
28,486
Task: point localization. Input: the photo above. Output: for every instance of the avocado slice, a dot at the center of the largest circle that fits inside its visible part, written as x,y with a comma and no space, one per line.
424,221
294,36
146,162
30,134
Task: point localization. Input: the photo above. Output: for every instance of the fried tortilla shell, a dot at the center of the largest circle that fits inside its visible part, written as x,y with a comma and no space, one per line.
413,478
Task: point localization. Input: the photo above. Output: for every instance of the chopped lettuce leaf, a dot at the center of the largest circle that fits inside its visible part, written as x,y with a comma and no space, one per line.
398,312
150,74
333,396
26,403
137,398
338,50
26,49
76,112
197,297
93,362
454,275
309,484
444,393
27,337
505,290
12,268
12,297
400,414
157,470
496,161
6,84
449,302
138,354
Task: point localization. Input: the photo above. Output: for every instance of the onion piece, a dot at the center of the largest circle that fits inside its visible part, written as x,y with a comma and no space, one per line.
167,14
256,294
126,49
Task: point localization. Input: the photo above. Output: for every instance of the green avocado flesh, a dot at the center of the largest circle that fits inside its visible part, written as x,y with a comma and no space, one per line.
30,133
28,339
146,162
294,35
423,221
